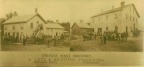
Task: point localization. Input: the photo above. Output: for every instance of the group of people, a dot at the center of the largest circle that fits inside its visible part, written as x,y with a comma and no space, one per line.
11,39
89,36
105,36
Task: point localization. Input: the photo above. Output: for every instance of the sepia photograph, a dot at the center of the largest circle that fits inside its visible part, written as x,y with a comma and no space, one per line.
67,25
71,33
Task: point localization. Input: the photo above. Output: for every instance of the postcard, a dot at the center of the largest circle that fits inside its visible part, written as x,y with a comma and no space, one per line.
71,33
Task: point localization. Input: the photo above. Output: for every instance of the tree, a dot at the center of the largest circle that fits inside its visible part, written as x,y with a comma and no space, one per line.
2,20
66,26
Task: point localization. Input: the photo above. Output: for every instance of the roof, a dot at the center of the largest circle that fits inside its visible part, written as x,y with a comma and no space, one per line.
115,10
82,25
22,19
54,25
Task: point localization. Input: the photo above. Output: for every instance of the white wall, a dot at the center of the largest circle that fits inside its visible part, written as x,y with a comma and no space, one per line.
29,31
16,30
129,10
109,22
52,32
26,31
121,20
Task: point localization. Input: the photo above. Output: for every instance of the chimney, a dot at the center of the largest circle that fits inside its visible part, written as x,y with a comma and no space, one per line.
123,4
36,10
57,21
15,14
113,7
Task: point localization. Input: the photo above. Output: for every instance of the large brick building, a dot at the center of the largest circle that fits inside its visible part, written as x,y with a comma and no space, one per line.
121,19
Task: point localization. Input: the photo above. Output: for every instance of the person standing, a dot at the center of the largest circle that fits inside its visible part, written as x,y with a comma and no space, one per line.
95,35
24,40
105,38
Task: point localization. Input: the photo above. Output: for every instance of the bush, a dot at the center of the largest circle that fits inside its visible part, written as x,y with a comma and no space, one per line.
73,38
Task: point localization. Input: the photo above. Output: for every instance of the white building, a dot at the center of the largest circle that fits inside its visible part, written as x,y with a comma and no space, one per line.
26,26
23,25
54,29
121,19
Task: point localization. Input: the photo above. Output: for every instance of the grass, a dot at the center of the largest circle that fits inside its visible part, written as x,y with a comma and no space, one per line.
132,45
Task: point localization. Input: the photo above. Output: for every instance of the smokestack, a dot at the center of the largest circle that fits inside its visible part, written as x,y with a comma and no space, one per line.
123,4
36,10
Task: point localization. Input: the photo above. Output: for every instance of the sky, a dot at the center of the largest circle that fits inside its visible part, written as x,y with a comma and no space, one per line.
66,10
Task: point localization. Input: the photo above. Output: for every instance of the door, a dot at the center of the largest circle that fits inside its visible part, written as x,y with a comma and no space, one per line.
126,29
116,29
99,31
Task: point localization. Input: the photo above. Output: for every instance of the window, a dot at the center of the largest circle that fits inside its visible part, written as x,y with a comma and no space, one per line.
8,34
51,29
31,25
106,28
106,17
21,27
126,29
41,27
37,23
133,19
13,27
134,26
5,34
13,34
5,28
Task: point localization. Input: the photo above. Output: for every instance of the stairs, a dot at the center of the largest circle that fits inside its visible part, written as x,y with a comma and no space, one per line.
37,31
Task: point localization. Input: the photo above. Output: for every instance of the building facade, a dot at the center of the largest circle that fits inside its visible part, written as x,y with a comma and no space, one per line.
81,28
121,19
54,29
23,25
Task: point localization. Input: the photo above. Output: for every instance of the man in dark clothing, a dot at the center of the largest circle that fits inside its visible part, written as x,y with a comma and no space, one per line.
95,35
24,40
105,38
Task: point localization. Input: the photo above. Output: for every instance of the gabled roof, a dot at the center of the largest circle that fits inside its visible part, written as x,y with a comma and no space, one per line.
54,25
115,10
22,19
82,25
